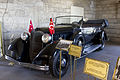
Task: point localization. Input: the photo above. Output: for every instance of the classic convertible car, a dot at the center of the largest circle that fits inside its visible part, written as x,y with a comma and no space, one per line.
37,50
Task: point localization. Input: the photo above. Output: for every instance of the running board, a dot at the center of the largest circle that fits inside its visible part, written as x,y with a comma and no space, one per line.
89,50
33,66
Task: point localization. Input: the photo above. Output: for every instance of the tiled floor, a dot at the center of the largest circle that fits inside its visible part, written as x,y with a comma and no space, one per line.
109,54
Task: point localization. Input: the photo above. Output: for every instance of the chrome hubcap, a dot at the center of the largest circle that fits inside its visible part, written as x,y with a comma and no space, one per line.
63,62
79,43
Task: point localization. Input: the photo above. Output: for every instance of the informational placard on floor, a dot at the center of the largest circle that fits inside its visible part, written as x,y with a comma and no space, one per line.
116,75
96,68
64,44
75,50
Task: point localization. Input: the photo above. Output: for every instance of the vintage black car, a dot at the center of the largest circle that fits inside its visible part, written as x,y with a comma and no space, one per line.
37,50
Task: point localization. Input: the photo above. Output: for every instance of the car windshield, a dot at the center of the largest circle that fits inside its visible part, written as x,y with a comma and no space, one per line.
67,20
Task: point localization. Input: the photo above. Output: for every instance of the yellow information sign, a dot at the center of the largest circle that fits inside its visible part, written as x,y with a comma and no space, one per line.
116,75
75,50
64,44
98,69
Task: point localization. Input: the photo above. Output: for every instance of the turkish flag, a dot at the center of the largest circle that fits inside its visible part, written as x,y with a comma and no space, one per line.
51,27
30,26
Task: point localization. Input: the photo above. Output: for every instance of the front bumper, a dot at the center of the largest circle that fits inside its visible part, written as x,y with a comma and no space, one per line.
33,66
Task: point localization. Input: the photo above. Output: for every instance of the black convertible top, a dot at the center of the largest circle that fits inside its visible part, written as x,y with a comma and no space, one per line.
92,23
96,23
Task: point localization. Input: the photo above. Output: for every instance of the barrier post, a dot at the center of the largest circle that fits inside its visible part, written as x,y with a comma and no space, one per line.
60,64
71,65
75,61
62,45
94,78
88,77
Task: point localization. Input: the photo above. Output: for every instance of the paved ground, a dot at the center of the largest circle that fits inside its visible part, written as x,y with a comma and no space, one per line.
109,54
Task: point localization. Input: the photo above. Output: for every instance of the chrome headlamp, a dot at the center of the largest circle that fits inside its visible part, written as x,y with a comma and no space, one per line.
46,38
9,47
24,36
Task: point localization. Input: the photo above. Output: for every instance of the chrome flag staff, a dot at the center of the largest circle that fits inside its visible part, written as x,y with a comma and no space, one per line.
51,28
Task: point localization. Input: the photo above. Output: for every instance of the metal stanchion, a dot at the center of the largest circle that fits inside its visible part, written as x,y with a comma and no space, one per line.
76,52
88,77
62,45
94,78
74,68
60,64
71,65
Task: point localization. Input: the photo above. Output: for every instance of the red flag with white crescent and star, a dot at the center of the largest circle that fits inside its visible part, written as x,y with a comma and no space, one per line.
30,26
51,27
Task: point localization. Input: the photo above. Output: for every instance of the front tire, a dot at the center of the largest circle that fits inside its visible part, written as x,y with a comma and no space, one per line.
54,63
13,54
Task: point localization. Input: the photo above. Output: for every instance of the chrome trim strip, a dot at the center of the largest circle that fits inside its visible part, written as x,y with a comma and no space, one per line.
33,66
94,49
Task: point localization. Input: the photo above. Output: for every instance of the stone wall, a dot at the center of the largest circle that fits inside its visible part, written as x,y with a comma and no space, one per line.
89,7
19,12
110,9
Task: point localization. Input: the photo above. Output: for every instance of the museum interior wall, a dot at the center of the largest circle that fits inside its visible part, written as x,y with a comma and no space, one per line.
15,15
110,9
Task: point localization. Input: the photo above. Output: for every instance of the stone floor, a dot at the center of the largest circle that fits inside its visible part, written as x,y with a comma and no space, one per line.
109,54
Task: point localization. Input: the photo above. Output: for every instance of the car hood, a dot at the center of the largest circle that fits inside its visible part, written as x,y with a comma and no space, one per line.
57,29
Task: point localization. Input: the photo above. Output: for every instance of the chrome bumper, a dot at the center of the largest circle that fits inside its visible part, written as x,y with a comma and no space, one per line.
33,66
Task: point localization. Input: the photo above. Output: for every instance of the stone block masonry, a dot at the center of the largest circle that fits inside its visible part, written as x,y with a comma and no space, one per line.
19,12
110,9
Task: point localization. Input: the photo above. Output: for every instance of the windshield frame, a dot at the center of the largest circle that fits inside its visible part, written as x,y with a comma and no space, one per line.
66,16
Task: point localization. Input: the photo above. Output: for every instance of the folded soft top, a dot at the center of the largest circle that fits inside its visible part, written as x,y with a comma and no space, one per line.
100,22
92,23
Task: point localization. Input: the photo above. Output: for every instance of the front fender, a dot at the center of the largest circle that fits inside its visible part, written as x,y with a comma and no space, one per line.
17,45
77,37
20,50
13,45
48,50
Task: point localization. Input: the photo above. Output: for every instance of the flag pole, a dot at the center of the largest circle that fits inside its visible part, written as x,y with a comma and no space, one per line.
51,28
52,37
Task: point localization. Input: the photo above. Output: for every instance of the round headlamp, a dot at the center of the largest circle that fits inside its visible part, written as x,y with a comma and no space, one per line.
46,38
24,36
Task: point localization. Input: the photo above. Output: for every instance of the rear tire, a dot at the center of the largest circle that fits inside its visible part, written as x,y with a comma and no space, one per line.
54,63
102,41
